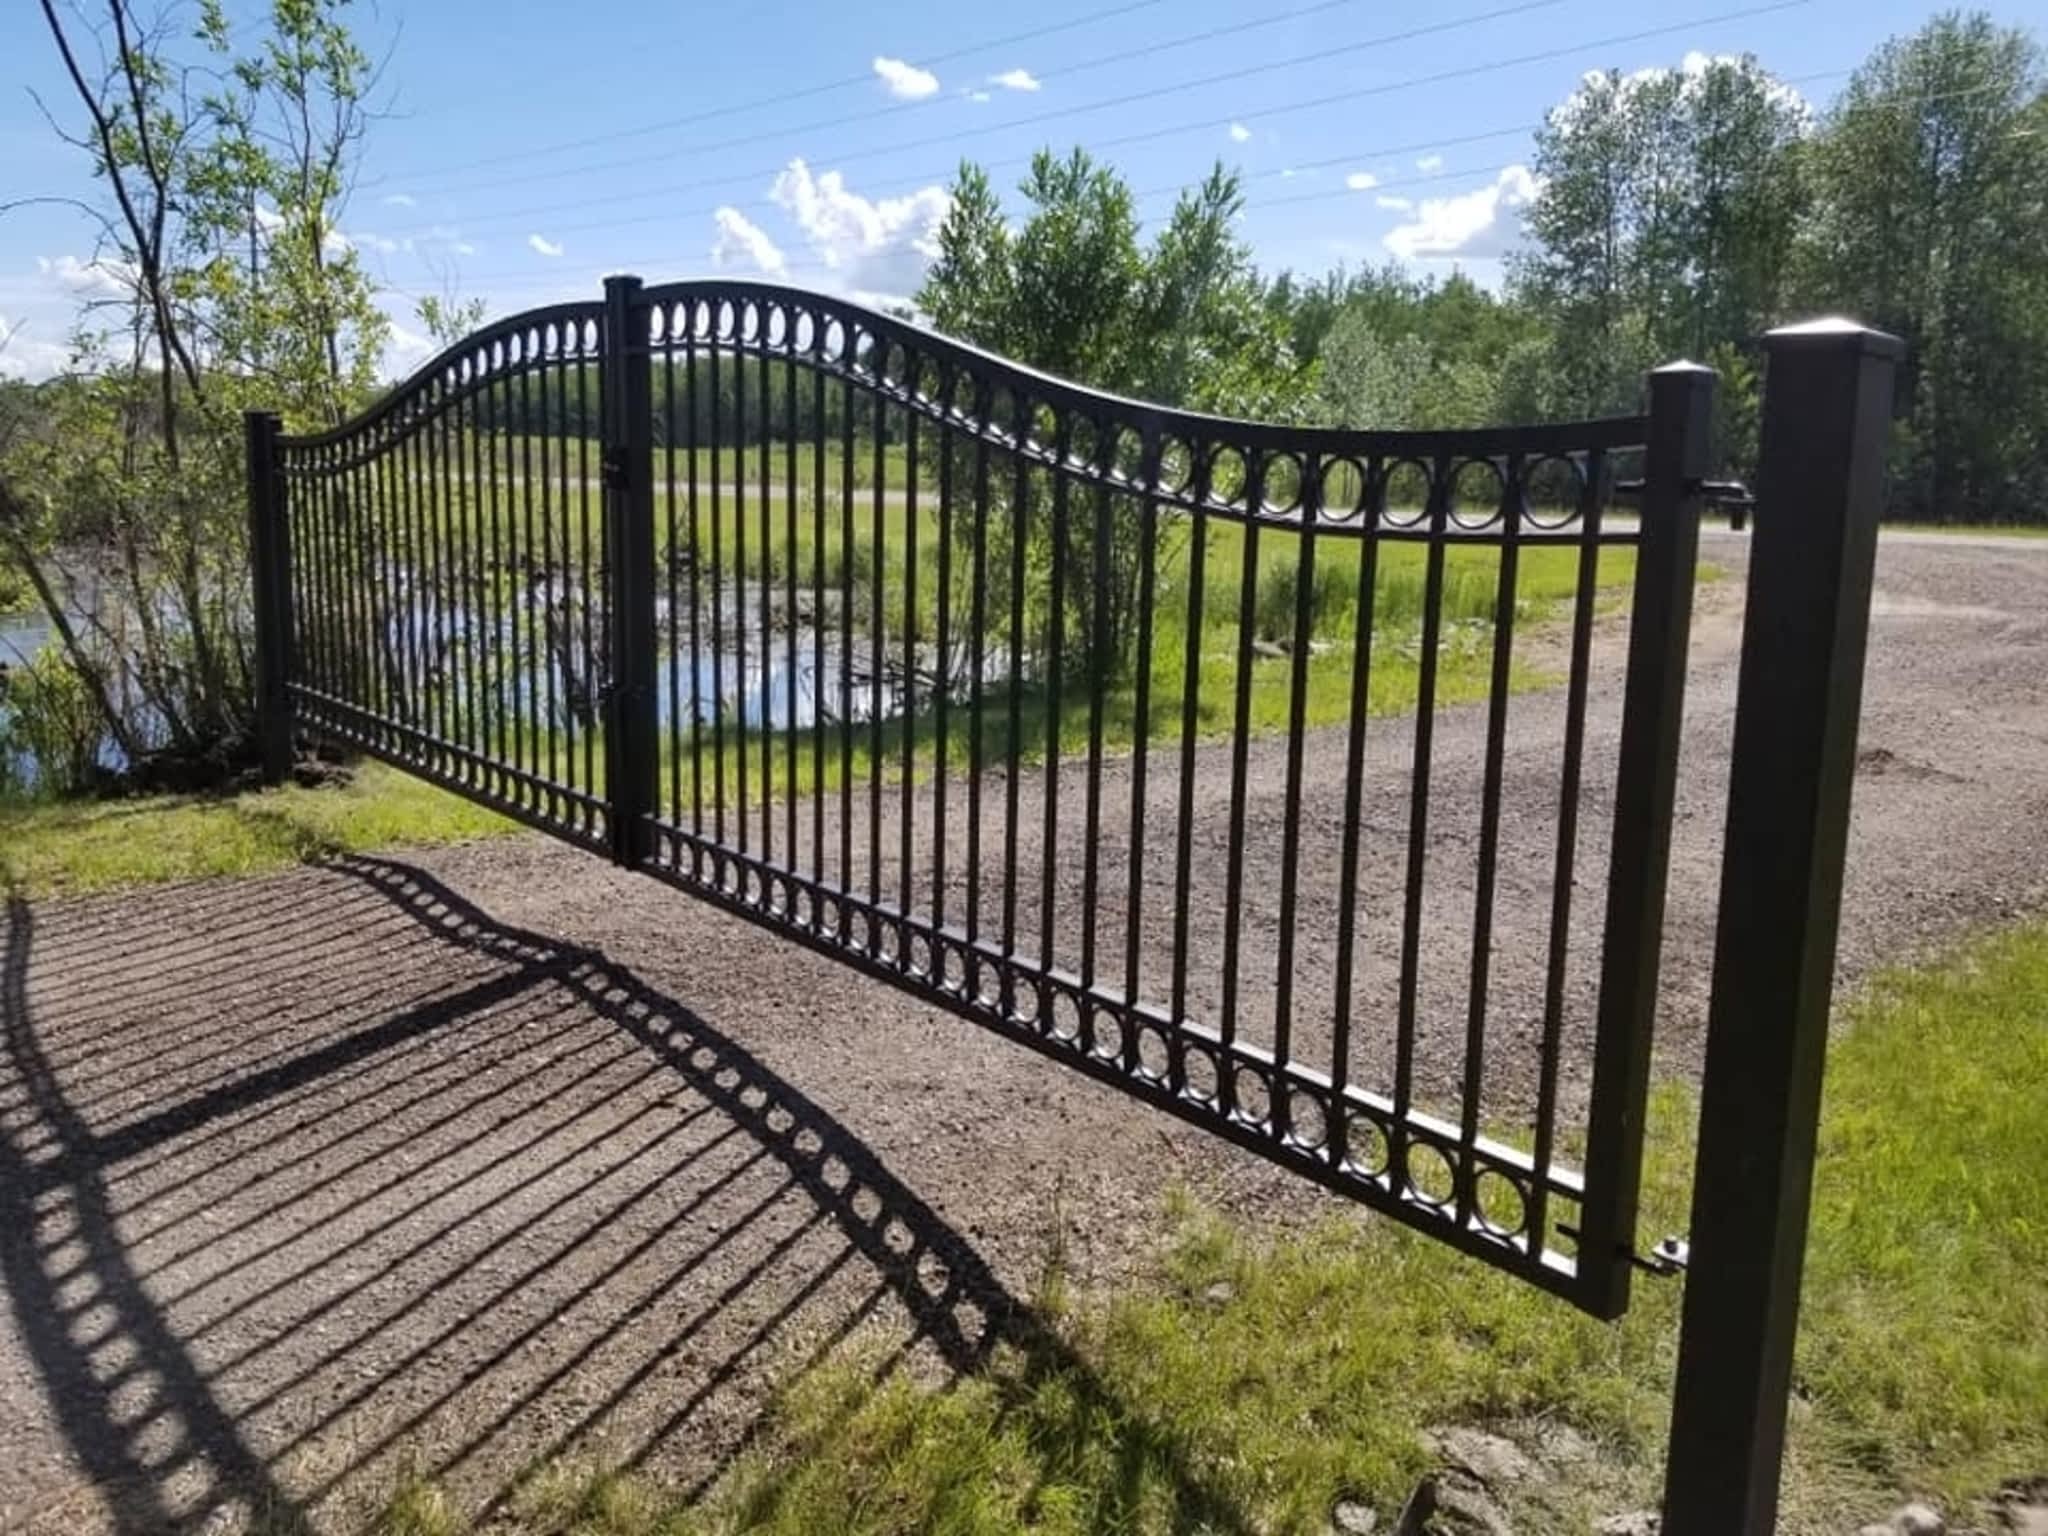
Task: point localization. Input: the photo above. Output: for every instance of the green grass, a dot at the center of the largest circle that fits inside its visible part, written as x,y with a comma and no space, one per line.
75,847
2000,530
1252,1383
1546,580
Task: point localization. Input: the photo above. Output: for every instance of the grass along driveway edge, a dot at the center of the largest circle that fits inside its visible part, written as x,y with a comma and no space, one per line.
1255,1383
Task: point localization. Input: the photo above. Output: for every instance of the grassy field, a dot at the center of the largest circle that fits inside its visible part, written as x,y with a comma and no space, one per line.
886,558
1972,530
1252,1384
1546,581
87,847
74,847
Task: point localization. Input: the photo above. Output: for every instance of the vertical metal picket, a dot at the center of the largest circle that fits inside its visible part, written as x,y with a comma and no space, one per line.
1820,487
270,593
632,726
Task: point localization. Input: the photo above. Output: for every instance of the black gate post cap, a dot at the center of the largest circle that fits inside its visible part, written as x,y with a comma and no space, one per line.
1685,390
1835,331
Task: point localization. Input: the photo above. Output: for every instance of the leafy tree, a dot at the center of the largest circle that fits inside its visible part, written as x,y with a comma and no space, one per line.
1669,205
225,281
1400,351
1932,222
1073,291
1368,381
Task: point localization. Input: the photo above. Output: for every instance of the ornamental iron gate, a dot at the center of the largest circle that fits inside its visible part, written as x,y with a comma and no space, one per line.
1190,752
1110,727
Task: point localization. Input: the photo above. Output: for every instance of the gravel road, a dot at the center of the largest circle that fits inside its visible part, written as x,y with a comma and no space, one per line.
462,1158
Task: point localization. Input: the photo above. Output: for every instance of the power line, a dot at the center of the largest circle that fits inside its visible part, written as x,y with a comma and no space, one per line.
802,93
1431,29
1162,191
756,176
1353,156
1099,61
705,210
540,283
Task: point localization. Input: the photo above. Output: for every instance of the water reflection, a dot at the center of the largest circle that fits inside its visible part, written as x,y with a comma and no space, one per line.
751,658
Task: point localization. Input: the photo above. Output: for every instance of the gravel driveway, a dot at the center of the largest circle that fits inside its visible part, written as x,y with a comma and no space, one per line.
459,1159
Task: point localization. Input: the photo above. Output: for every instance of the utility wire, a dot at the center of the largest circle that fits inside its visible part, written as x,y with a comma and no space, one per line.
759,174
801,93
1100,61
543,282
1167,190
912,184
1127,98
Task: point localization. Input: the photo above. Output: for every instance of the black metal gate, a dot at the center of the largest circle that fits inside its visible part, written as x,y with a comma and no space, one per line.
1184,750
1060,711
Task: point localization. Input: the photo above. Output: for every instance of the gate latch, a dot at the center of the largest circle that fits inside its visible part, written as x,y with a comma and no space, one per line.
1731,495
613,469
1669,1257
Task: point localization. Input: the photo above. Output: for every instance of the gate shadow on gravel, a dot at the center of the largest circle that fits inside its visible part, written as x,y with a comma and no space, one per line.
191,1248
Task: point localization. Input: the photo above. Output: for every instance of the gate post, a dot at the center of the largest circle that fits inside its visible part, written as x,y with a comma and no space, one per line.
1827,409
631,725
270,593
1675,461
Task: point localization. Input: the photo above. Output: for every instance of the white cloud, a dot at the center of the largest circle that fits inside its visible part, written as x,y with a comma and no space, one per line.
880,246
1291,172
1015,80
1429,164
1393,204
906,81
1469,224
24,357
335,243
404,350
401,200
1596,86
743,243
979,96
543,245
1239,132
1361,181
100,278
269,220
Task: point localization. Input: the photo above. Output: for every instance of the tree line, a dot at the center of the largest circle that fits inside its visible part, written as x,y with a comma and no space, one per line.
1680,212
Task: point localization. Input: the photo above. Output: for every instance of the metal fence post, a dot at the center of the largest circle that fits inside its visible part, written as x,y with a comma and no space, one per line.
270,593
1676,458
1827,408
632,746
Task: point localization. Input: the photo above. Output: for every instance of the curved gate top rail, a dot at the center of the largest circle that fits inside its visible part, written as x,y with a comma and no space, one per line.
1175,747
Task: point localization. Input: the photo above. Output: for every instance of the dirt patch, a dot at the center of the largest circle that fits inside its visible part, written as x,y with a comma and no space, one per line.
476,1157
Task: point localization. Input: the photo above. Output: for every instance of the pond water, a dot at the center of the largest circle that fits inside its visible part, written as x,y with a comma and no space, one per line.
790,676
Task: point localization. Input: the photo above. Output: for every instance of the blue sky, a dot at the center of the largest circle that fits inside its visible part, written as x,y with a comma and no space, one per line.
814,141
